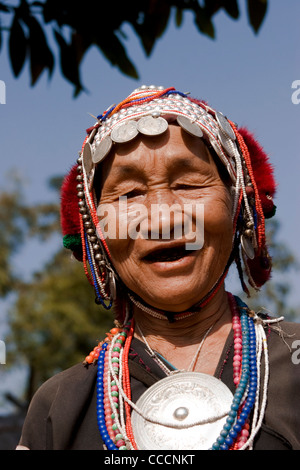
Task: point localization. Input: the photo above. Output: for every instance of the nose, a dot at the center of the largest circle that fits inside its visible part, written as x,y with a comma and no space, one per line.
165,219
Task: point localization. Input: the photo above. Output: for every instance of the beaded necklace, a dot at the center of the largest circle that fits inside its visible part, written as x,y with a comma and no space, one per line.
114,403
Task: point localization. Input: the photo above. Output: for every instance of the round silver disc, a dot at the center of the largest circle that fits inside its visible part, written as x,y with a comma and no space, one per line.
124,132
225,126
150,125
175,405
102,150
189,126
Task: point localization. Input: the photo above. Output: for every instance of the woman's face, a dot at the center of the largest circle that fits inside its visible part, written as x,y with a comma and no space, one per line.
151,248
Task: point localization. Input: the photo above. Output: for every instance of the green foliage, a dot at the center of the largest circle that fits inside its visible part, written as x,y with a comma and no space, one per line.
77,26
273,298
54,321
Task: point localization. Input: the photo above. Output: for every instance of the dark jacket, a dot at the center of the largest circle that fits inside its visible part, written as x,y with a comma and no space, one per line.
62,414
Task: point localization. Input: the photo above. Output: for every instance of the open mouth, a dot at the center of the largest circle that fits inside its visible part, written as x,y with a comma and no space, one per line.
168,255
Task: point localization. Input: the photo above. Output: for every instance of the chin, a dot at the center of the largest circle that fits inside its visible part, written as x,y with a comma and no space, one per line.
172,297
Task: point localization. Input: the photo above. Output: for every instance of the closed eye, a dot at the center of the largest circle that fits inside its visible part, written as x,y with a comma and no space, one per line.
188,187
134,193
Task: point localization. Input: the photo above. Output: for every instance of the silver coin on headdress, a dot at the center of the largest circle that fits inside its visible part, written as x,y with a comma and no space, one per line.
186,410
228,144
189,126
88,165
149,125
102,150
124,132
224,125
87,158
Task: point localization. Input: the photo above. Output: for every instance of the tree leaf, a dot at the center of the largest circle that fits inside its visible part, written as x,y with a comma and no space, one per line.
155,20
115,52
41,57
178,17
232,8
17,46
68,61
257,10
3,7
204,23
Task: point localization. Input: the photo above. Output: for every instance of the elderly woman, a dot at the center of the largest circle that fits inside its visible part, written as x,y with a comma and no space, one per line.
167,193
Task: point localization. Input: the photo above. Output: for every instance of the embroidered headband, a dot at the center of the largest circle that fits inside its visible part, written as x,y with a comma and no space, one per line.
148,111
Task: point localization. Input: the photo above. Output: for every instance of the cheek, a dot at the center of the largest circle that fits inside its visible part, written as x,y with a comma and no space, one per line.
121,246
218,215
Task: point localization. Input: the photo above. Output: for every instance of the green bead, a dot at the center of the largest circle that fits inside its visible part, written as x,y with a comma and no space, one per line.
114,394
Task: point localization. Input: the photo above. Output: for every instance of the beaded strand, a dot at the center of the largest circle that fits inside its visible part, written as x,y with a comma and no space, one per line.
235,421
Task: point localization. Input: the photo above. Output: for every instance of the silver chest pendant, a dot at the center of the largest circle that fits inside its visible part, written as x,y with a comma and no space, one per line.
186,410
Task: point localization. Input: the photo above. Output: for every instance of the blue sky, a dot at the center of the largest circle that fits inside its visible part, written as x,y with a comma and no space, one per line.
248,77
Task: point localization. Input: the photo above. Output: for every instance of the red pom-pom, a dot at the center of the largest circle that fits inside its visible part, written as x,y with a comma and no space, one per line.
69,212
260,269
263,172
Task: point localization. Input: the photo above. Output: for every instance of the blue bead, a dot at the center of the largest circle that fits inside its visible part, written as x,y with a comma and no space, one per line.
230,420
111,446
244,415
233,434
227,427
237,428
228,441
235,406
215,446
223,447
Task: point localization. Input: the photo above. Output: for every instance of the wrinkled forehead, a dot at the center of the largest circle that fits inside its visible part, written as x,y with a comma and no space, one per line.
175,153
148,111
